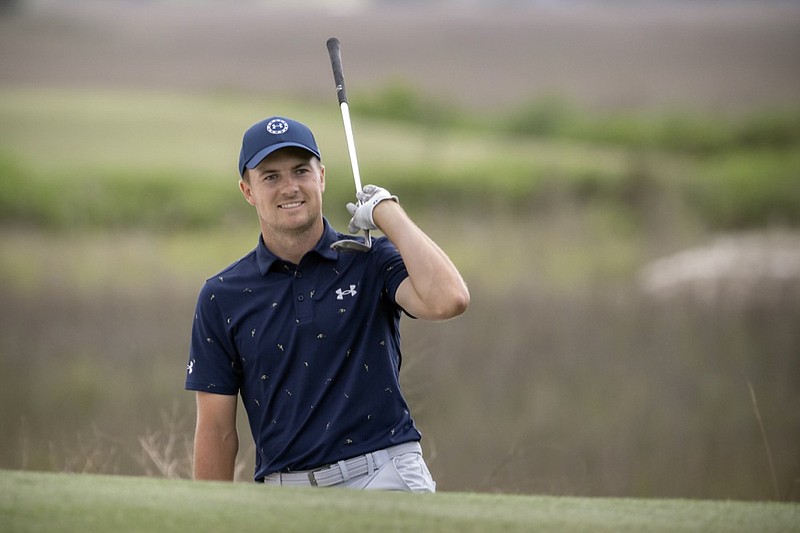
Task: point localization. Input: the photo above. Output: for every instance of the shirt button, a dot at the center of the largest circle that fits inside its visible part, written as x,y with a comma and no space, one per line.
298,274
300,298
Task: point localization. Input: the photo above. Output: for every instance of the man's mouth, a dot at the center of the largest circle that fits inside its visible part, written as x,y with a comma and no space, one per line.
290,205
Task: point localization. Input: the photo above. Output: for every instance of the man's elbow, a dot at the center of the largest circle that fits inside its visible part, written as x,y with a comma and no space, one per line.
452,306
460,303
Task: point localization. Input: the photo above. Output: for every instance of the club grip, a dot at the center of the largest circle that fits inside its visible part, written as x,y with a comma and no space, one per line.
334,50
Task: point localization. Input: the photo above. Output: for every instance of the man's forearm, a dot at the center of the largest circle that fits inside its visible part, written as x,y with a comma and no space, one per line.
436,281
215,454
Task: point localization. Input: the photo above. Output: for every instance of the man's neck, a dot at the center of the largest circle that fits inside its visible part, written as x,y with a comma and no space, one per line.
293,246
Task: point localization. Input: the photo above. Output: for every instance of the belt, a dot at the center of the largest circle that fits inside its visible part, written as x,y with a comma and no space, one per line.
342,471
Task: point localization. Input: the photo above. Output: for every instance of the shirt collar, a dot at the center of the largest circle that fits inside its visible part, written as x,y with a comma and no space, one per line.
265,258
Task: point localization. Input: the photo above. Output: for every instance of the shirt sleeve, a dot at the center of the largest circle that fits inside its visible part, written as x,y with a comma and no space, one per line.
390,266
214,364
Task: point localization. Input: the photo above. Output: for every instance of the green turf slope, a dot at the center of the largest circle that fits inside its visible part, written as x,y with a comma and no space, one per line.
80,503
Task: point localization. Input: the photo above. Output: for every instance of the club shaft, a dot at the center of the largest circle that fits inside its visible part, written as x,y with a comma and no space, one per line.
351,145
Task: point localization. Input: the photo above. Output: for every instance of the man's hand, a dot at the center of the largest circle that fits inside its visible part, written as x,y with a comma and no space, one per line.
368,198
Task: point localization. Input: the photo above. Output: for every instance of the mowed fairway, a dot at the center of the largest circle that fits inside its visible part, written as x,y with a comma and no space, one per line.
79,503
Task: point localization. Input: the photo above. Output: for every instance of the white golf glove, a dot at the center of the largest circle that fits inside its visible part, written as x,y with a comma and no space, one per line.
368,198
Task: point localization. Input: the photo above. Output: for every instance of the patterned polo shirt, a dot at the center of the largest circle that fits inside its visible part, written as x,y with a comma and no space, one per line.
313,349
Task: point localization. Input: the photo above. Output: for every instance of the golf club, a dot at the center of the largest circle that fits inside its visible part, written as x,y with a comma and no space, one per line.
334,51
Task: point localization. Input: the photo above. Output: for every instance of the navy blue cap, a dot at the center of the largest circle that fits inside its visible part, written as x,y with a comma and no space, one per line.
272,134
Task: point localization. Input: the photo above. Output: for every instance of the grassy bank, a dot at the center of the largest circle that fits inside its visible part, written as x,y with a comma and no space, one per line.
75,503
73,159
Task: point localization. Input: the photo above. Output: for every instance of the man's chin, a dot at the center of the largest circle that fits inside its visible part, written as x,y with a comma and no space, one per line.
299,224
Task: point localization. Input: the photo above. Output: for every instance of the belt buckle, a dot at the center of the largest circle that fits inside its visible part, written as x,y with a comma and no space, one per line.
312,475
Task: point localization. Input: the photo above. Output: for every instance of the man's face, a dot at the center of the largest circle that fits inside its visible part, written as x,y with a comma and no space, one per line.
286,190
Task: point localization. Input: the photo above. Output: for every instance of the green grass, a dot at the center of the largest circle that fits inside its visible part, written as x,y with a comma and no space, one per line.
555,117
100,159
736,190
79,503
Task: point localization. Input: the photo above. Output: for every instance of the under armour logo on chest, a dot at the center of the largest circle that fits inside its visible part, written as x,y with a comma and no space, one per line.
340,293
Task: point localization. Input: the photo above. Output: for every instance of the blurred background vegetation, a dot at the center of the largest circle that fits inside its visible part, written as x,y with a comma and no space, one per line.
634,261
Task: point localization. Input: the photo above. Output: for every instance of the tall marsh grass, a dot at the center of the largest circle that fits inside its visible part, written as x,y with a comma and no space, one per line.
601,391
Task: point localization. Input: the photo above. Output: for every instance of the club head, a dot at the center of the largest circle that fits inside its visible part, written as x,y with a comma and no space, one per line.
349,246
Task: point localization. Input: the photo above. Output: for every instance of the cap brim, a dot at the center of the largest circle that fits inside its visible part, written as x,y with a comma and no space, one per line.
259,157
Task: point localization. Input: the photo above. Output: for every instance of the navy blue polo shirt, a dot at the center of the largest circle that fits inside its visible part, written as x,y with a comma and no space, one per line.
313,349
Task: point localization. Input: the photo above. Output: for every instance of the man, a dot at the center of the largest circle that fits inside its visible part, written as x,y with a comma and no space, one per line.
310,336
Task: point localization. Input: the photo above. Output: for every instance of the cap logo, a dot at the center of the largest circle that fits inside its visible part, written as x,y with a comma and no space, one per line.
277,126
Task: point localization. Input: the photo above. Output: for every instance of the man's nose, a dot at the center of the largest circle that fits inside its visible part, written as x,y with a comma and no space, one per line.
290,186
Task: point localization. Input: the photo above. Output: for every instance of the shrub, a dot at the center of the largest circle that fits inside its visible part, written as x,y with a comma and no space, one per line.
752,189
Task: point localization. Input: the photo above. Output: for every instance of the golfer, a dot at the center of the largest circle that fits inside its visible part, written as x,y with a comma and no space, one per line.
308,336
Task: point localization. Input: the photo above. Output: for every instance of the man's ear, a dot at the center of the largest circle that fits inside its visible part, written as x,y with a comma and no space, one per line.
247,192
322,177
